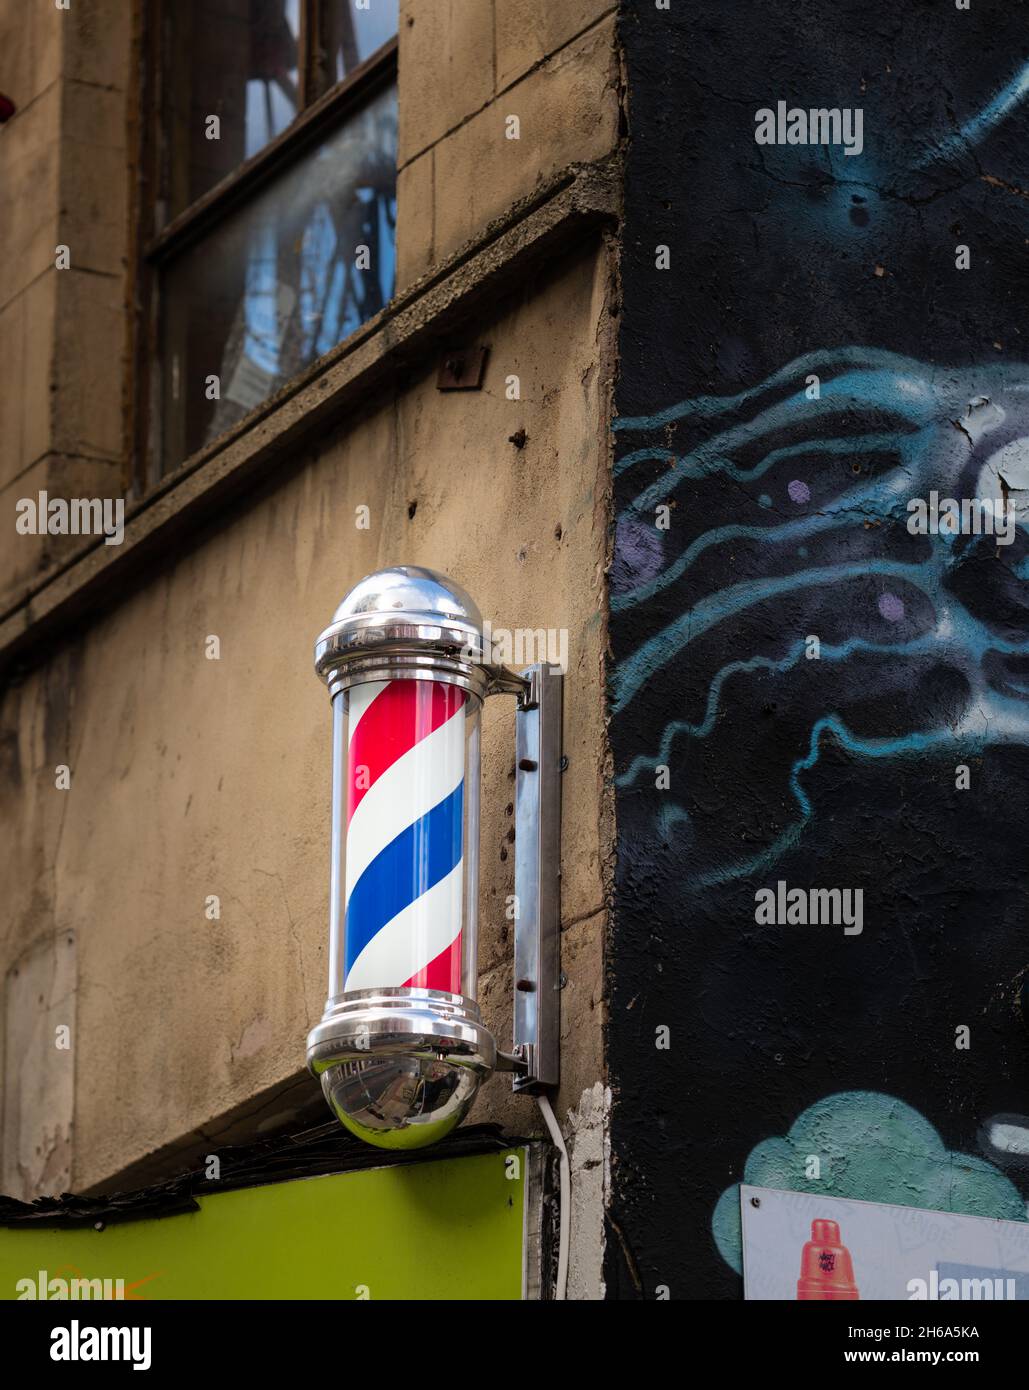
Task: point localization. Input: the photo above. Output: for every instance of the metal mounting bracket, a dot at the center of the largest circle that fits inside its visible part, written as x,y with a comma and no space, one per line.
537,936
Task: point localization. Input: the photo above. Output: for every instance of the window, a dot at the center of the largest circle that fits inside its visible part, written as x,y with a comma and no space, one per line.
271,202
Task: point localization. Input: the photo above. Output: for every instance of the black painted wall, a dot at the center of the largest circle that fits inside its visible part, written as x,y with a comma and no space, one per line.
811,359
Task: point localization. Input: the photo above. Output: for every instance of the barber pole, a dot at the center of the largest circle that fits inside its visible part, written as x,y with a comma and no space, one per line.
401,1048
404,836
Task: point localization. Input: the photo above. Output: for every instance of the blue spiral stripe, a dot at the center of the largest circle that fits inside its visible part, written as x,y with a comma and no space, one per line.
422,854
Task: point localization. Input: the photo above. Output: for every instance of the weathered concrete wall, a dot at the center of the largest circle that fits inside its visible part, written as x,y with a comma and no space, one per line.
64,181
37,1095
193,777
495,98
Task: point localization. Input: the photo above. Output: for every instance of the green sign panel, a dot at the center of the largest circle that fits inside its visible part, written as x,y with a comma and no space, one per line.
451,1229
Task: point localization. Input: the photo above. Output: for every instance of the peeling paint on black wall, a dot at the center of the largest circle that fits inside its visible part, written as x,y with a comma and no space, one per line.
810,361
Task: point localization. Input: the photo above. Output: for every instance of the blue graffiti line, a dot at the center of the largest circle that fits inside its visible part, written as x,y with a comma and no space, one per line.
997,710
820,363
838,400
909,376
855,508
708,462
976,129
943,416
636,670
971,741
657,651
642,765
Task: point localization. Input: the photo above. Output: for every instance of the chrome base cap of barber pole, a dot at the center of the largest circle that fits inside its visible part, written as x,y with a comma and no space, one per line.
400,1067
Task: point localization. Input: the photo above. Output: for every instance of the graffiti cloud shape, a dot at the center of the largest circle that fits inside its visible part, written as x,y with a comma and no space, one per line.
873,1148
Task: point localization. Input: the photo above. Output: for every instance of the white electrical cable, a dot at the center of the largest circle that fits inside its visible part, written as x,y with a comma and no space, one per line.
565,1214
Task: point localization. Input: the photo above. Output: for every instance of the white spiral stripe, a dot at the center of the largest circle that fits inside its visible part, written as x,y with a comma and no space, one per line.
413,938
361,697
409,788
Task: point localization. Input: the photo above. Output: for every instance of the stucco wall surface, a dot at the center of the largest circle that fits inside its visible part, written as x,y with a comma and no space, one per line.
192,777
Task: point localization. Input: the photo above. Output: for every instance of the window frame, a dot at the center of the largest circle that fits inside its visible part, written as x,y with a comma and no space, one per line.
153,249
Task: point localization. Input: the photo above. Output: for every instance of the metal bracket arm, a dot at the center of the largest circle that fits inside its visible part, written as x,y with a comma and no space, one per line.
501,681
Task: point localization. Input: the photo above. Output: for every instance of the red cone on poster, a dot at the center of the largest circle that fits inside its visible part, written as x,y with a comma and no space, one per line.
826,1269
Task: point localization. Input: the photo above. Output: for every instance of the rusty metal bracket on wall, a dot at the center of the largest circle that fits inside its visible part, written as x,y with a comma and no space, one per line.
461,369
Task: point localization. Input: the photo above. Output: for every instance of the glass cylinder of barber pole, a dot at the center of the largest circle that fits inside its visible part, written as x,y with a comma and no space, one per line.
404,882
401,1049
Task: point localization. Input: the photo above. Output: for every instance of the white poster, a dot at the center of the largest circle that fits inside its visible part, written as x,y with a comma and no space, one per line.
798,1245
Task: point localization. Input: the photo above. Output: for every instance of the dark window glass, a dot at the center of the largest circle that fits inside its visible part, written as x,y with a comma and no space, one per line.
233,60
282,279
